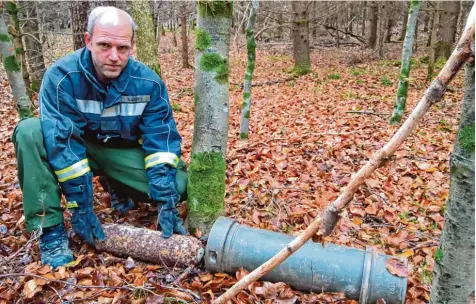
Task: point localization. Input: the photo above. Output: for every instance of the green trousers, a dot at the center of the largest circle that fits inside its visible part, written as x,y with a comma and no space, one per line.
41,192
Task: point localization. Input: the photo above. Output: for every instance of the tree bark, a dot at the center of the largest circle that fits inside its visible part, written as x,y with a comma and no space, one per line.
149,246
433,45
33,46
206,186
373,16
146,45
390,22
433,94
383,20
183,32
447,29
15,78
404,27
453,280
402,90
250,66
16,34
79,11
300,36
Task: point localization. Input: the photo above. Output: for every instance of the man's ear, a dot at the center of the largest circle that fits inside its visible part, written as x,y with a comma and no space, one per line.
87,40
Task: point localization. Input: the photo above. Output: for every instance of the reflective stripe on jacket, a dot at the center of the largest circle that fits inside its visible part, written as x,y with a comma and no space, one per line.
135,106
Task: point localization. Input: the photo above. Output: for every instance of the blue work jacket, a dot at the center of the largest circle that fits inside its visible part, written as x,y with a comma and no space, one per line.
75,105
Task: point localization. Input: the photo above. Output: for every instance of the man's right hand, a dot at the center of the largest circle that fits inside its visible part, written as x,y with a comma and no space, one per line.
79,197
170,221
87,226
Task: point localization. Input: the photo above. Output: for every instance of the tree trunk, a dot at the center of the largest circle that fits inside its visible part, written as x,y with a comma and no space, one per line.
146,46
12,67
453,280
383,20
373,16
432,52
250,66
447,30
364,9
206,186
390,22
16,34
33,46
300,36
402,90
183,31
149,246
79,11
426,19
404,27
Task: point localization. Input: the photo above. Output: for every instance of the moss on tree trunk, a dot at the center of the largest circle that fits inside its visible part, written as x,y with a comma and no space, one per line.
206,190
12,67
453,280
206,186
401,99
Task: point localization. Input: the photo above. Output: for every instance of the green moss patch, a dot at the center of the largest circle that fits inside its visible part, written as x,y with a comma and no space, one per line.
215,9
202,40
206,190
4,38
466,138
214,62
11,64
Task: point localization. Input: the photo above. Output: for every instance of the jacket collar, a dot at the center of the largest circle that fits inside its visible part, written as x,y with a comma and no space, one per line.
87,66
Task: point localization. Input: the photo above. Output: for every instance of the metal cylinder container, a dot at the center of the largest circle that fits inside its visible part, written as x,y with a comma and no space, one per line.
360,274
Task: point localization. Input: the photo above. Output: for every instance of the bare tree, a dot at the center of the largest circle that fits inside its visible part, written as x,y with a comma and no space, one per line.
79,13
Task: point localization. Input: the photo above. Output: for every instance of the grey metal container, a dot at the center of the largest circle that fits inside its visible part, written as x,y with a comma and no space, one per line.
360,274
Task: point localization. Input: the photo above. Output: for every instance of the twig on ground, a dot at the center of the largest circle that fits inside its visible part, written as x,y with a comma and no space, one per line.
369,113
182,276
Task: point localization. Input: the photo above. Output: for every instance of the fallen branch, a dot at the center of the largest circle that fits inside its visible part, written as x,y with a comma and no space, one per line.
433,94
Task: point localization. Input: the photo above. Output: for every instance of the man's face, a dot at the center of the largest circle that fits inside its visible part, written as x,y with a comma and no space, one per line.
110,46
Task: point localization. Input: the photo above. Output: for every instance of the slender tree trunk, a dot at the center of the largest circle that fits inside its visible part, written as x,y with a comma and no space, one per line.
15,78
206,186
145,39
426,20
383,13
364,10
300,36
433,44
16,34
447,30
404,27
250,66
453,280
390,21
79,11
183,29
33,46
402,91
373,16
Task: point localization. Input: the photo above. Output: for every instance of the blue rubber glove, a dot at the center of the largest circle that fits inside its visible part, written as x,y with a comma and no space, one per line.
170,221
79,197
164,193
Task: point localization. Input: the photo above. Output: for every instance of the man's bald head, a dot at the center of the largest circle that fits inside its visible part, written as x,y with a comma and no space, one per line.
109,15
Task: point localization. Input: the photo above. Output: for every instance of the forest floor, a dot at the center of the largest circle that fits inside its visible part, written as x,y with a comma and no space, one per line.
302,150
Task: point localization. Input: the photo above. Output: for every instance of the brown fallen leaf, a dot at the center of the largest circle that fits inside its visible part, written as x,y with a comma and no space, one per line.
397,267
31,288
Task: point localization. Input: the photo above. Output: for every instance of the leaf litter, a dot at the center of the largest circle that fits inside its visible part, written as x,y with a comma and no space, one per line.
302,151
